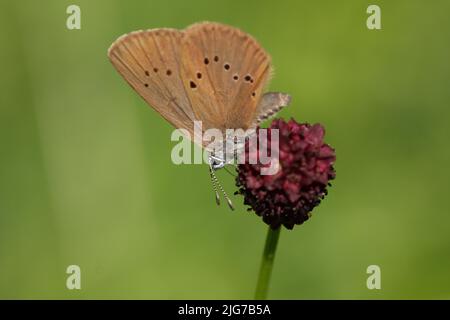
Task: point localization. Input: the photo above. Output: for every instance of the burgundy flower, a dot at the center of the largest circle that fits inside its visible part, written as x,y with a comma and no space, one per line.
303,173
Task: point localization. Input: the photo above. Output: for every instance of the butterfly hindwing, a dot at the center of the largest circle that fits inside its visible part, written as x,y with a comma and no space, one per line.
270,104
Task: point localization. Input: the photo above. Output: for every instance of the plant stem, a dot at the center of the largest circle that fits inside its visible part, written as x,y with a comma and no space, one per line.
265,270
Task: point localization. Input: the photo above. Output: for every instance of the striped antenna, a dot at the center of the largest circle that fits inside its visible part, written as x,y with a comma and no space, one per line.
216,184
213,181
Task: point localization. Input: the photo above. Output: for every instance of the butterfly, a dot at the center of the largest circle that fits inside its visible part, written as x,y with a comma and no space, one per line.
208,72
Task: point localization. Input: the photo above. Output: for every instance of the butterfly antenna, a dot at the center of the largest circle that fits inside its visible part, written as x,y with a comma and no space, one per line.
216,184
213,181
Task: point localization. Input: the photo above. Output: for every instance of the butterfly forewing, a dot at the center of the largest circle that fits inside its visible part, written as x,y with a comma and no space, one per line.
150,62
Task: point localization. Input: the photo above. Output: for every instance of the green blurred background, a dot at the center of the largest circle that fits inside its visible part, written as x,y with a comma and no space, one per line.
86,176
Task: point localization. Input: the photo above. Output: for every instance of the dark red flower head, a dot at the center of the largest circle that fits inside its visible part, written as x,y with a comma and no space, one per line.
305,168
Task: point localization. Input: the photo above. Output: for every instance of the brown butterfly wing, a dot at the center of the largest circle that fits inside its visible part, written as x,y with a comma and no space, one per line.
150,62
270,104
224,71
208,72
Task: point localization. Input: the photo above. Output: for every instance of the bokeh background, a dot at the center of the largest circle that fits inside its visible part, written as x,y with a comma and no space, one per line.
86,176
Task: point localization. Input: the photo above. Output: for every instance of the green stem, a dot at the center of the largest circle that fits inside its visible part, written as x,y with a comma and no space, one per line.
266,263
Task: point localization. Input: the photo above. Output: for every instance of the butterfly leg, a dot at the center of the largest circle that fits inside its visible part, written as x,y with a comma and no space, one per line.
231,173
